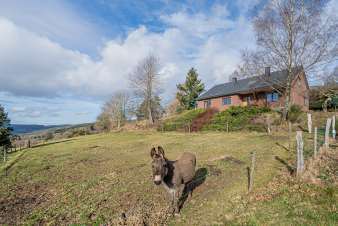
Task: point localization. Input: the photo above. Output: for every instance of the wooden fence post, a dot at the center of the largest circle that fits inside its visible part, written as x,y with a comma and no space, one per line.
4,152
327,132
269,127
315,144
309,122
334,127
227,127
300,156
252,169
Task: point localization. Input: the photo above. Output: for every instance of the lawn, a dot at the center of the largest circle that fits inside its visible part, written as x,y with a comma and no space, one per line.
94,179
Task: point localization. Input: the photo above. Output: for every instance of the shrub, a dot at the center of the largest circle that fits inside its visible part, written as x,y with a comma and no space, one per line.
294,113
237,118
180,121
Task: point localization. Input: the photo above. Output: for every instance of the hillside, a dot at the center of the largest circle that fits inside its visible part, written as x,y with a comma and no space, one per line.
29,128
96,178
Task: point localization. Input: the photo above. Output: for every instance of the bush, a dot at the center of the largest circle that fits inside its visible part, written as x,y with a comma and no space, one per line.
180,121
237,118
294,113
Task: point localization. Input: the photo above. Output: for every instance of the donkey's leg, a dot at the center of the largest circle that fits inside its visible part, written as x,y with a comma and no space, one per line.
172,199
177,193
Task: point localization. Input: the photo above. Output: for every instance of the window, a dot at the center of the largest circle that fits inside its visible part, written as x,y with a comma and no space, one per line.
207,103
227,101
272,97
249,99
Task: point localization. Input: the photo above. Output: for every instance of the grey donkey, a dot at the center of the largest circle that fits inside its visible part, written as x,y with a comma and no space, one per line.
173,175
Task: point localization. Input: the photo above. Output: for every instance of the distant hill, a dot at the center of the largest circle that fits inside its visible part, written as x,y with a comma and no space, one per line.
24,128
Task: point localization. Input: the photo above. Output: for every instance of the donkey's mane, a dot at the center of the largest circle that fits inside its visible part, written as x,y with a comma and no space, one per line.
170,174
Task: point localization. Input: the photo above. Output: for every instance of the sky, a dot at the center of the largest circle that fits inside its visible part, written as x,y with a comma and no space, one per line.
60,60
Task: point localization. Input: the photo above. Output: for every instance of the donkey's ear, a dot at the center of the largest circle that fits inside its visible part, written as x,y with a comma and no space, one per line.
160,150
152,152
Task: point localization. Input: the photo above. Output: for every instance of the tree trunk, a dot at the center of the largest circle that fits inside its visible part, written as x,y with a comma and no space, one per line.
289,23
150,115
287,92
118,123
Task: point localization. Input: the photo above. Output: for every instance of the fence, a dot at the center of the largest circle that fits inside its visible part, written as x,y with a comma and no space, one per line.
309,143
17,145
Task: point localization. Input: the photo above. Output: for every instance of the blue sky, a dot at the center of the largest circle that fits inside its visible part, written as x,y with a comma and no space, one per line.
60,60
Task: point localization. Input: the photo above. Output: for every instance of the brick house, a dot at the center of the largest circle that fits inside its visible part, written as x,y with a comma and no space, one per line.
264,90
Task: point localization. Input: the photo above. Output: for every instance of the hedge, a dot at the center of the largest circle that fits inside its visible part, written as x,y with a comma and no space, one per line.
237,118
180,121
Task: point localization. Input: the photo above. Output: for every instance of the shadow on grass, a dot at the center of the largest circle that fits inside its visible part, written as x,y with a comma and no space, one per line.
50,143
199,178
290,168
282,146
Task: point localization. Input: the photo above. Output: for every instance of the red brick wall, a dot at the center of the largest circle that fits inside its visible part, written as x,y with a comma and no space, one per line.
300,92
218,103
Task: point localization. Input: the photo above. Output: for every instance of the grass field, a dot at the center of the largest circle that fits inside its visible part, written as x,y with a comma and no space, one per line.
94,179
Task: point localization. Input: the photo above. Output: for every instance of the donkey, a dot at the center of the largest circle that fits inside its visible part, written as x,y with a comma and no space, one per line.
173,175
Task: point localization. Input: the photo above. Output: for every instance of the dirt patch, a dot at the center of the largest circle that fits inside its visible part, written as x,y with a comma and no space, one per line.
144,213
227,158
13,209
213,170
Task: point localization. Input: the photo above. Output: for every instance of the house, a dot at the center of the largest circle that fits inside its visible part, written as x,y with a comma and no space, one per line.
263,90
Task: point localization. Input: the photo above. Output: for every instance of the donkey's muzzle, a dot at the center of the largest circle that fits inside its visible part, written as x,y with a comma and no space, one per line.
157,182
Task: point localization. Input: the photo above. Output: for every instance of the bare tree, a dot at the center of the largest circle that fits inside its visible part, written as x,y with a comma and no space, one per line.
116,108
292,34
113,111
144,80
119,107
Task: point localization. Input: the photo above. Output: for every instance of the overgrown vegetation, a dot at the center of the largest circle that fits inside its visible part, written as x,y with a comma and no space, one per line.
180,121
295,113
289,201
325,97
237,118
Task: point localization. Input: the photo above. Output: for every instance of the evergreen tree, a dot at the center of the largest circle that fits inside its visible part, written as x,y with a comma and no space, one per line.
189,90
156,109
5,129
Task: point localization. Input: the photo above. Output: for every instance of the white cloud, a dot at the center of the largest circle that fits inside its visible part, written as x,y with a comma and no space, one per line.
33,65
17,109
56,20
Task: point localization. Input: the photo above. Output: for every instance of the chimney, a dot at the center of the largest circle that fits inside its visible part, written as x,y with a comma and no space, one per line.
267,71
234,79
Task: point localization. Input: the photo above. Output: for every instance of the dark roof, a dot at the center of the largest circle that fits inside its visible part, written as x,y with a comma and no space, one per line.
246,85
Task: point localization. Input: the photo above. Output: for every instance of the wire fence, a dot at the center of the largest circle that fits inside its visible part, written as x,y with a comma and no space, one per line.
310,142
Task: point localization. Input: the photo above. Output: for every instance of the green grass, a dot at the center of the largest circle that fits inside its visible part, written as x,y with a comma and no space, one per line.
293,204
93,179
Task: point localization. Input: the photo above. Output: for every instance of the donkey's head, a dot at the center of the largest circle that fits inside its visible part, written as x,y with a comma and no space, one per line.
159,164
